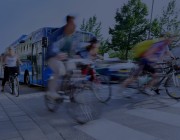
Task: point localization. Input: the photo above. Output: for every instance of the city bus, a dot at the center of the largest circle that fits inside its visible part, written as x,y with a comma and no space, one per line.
32,52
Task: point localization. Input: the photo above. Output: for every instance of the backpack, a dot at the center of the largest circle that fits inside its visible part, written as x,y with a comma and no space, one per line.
140,48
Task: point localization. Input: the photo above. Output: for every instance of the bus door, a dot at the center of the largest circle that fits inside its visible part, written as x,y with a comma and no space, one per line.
37,63
45,74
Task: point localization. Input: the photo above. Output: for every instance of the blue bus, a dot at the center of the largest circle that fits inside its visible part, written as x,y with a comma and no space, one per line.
30,49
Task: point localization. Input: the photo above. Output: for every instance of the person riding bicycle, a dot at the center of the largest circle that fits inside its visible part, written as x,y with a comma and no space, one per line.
62,51
154,52
11,62
160,49
90,52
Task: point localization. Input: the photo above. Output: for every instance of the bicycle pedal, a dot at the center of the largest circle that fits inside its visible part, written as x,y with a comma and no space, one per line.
156,90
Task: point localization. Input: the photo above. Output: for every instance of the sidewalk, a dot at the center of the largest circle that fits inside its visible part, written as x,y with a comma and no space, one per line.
19,124
25,118
138,118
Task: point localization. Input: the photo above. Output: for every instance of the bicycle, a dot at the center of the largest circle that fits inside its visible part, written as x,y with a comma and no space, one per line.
14,84
100,82
169,78
79,90
172,83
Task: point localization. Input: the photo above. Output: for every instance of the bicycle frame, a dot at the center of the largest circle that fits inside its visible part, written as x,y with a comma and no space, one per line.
171,72
13,84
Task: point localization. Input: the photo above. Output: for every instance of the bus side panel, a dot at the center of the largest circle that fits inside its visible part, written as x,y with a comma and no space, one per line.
47,73
26,67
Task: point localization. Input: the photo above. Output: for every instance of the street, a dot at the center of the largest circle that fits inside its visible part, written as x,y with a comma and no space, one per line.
114,64
138,117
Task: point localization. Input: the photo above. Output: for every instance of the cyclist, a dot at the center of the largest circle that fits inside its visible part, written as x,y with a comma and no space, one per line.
90,52
156,50
60,53
160,49
11,62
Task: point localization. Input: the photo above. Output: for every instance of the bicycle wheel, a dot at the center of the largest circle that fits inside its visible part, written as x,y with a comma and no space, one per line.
102,88
81,92
52,104
83,108
82,113
172,86
11,85
16,86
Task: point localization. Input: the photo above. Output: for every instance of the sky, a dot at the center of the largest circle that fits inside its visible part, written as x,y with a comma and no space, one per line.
25,16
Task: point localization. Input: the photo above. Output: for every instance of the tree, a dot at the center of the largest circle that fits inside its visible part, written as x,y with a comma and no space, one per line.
131,27
169,21
155,28
104,46
91,25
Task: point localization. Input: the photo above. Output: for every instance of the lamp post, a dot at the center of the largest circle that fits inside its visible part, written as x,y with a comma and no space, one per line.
151,19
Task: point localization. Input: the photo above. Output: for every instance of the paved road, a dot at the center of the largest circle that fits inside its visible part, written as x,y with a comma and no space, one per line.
137,118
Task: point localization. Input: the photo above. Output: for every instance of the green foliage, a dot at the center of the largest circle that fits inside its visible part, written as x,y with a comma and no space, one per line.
131,27
104,47
91,25
155,28
120,54
169,20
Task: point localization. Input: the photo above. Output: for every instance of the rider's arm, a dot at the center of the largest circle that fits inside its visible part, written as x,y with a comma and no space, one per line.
19,61
170,54
61,56
166,53
4,60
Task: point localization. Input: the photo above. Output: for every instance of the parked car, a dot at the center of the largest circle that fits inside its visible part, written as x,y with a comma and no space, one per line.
116,70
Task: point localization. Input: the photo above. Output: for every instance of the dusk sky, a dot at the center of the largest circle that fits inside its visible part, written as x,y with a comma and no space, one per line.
24,16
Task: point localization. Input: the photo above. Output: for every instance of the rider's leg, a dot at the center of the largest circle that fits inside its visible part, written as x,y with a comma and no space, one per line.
71,68
133,76
153,80
58,69
123,88
128,81
5,78
153,73
70,65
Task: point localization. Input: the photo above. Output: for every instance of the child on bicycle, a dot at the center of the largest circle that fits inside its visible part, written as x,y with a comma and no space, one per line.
90,52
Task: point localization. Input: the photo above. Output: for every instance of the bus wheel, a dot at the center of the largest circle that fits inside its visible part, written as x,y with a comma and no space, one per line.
27,79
